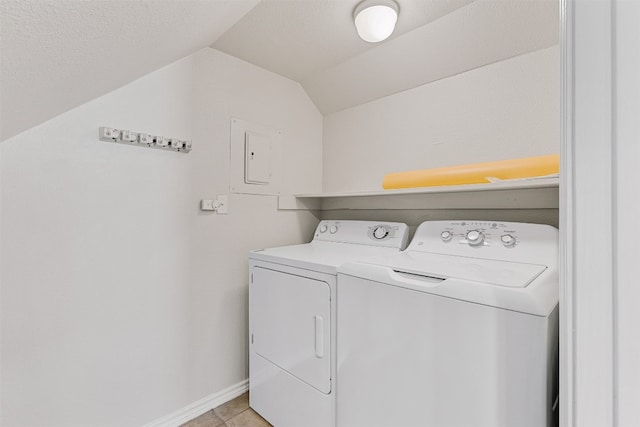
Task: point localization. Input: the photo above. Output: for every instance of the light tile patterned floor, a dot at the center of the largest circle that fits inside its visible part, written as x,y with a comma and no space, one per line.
235,413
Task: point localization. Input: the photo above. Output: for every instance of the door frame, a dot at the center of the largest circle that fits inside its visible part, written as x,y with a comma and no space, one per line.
599,207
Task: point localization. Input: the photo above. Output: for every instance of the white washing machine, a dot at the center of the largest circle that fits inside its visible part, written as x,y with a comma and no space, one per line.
459,330
292,319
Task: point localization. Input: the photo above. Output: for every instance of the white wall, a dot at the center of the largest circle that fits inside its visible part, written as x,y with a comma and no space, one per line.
121,301
226,86
504,110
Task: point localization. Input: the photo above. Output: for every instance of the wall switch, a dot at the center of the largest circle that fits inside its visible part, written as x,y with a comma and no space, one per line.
207,205
220,205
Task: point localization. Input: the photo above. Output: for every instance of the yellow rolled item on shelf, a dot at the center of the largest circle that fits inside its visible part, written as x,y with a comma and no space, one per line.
475,173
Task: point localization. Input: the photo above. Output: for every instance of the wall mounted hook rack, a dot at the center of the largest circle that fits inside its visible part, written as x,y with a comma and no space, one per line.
140,139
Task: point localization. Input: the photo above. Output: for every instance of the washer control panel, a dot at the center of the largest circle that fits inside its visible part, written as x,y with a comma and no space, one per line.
487,239
480,234
388,234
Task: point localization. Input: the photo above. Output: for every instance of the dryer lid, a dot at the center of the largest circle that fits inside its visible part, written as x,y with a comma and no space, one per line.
500,273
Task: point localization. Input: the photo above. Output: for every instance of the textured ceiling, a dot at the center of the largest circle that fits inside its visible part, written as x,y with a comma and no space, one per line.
297,38
58,54
479,34
315,43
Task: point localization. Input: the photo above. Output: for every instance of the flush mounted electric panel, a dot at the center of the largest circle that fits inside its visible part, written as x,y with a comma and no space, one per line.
255,158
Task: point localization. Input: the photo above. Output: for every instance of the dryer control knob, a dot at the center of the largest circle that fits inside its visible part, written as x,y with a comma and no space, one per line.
508,240
380,232
323,228
446,236
475,238
333,229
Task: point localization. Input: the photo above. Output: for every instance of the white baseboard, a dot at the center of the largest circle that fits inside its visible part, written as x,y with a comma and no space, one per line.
201,406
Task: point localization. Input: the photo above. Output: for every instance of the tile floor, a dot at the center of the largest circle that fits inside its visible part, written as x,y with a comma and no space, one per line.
235,413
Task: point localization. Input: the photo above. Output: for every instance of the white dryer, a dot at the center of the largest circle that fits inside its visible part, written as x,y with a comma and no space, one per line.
292,319
459,330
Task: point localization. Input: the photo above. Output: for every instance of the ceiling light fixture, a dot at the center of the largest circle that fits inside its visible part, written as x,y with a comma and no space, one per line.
375,19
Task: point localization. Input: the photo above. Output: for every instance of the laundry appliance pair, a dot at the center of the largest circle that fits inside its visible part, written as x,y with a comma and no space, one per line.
459,329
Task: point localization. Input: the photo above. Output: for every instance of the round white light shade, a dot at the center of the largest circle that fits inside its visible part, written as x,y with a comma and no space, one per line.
375,20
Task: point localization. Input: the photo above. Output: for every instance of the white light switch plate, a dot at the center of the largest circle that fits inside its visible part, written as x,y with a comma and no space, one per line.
207,205
220,205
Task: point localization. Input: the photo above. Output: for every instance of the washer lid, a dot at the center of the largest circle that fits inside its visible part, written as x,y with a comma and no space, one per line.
500,273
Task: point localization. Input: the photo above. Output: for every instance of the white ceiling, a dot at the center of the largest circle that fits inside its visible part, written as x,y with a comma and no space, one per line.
58,54
315,43
298,38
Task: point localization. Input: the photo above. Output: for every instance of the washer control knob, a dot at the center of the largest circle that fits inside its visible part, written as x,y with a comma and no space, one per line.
333,229
323,228
475,238
380,232
508,240
446,236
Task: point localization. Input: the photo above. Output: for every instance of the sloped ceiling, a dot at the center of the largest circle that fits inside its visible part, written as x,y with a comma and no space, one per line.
298,38
58,54
316,43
